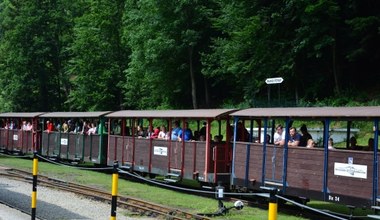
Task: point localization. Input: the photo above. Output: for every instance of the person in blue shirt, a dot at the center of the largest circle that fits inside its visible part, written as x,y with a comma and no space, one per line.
185,134
294,137
175,131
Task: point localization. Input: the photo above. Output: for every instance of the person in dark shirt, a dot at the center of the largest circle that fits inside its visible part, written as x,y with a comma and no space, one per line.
305,136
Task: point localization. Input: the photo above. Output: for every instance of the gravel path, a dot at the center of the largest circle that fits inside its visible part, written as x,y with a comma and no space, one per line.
54,204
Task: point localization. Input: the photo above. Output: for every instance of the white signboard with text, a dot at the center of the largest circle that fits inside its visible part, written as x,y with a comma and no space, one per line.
64,141
350,170
161,151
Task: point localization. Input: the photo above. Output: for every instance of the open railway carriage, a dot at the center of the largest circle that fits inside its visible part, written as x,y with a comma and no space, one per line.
75,144
15,137
205,161
338,175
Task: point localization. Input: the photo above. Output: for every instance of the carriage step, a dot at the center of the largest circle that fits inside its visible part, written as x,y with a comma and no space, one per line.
375,207
273,183
171,180
374,216
174,170
173,174
126,166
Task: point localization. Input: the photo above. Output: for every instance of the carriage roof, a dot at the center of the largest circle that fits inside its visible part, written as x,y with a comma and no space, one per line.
311,112
189,113
74,114
20,114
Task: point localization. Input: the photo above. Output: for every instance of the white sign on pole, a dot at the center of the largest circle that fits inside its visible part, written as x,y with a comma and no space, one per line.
276,80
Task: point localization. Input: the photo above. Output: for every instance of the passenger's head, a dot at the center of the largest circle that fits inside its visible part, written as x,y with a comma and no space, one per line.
279,129
371,143
331,142
353,141
292,131
303,128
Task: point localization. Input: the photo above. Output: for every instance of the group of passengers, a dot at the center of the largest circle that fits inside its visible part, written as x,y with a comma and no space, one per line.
305,139
70,126
177,133
12,125
355,146
295,139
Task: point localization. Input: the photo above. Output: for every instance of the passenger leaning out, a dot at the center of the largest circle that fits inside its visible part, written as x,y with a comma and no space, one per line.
294,137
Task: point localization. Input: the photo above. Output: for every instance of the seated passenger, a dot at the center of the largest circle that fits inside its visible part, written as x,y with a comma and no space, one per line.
268,138
203,130
305,136
279,136
155,133
175,131
92,129
49,126
331,144
186,134
294,137
23,127
218,138
371,143
65,127
163,133
353,144
29,126
140,131
310,143
242,132
202,138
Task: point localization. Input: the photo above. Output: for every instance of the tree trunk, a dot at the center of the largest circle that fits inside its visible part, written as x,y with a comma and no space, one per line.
334,67
207,98
192,79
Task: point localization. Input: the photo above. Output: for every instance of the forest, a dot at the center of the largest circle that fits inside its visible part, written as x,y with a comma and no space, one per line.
88,55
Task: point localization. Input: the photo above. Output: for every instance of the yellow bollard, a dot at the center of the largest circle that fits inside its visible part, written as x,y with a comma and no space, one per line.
115,179
34,190
272,210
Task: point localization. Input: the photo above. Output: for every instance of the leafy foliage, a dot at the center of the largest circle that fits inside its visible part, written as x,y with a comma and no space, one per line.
91,55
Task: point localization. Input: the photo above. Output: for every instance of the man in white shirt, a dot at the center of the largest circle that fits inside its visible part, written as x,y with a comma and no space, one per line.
279,136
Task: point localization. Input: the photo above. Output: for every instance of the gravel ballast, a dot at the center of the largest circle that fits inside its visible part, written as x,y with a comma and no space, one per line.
55,204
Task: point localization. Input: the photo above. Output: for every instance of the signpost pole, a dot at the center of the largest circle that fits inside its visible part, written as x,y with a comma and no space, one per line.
270,81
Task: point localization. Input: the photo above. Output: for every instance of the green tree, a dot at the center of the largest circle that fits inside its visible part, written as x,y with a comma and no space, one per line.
98,58
31,55
166,39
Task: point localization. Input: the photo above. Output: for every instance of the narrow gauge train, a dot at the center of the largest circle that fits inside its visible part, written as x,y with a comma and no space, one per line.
15,139
206,161
343,176
339,175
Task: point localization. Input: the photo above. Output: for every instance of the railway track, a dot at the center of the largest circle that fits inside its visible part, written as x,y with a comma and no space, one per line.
132,204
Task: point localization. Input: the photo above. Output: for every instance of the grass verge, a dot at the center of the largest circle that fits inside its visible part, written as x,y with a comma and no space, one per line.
190,203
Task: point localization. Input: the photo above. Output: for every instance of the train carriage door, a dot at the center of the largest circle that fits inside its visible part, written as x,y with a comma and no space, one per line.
276,161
